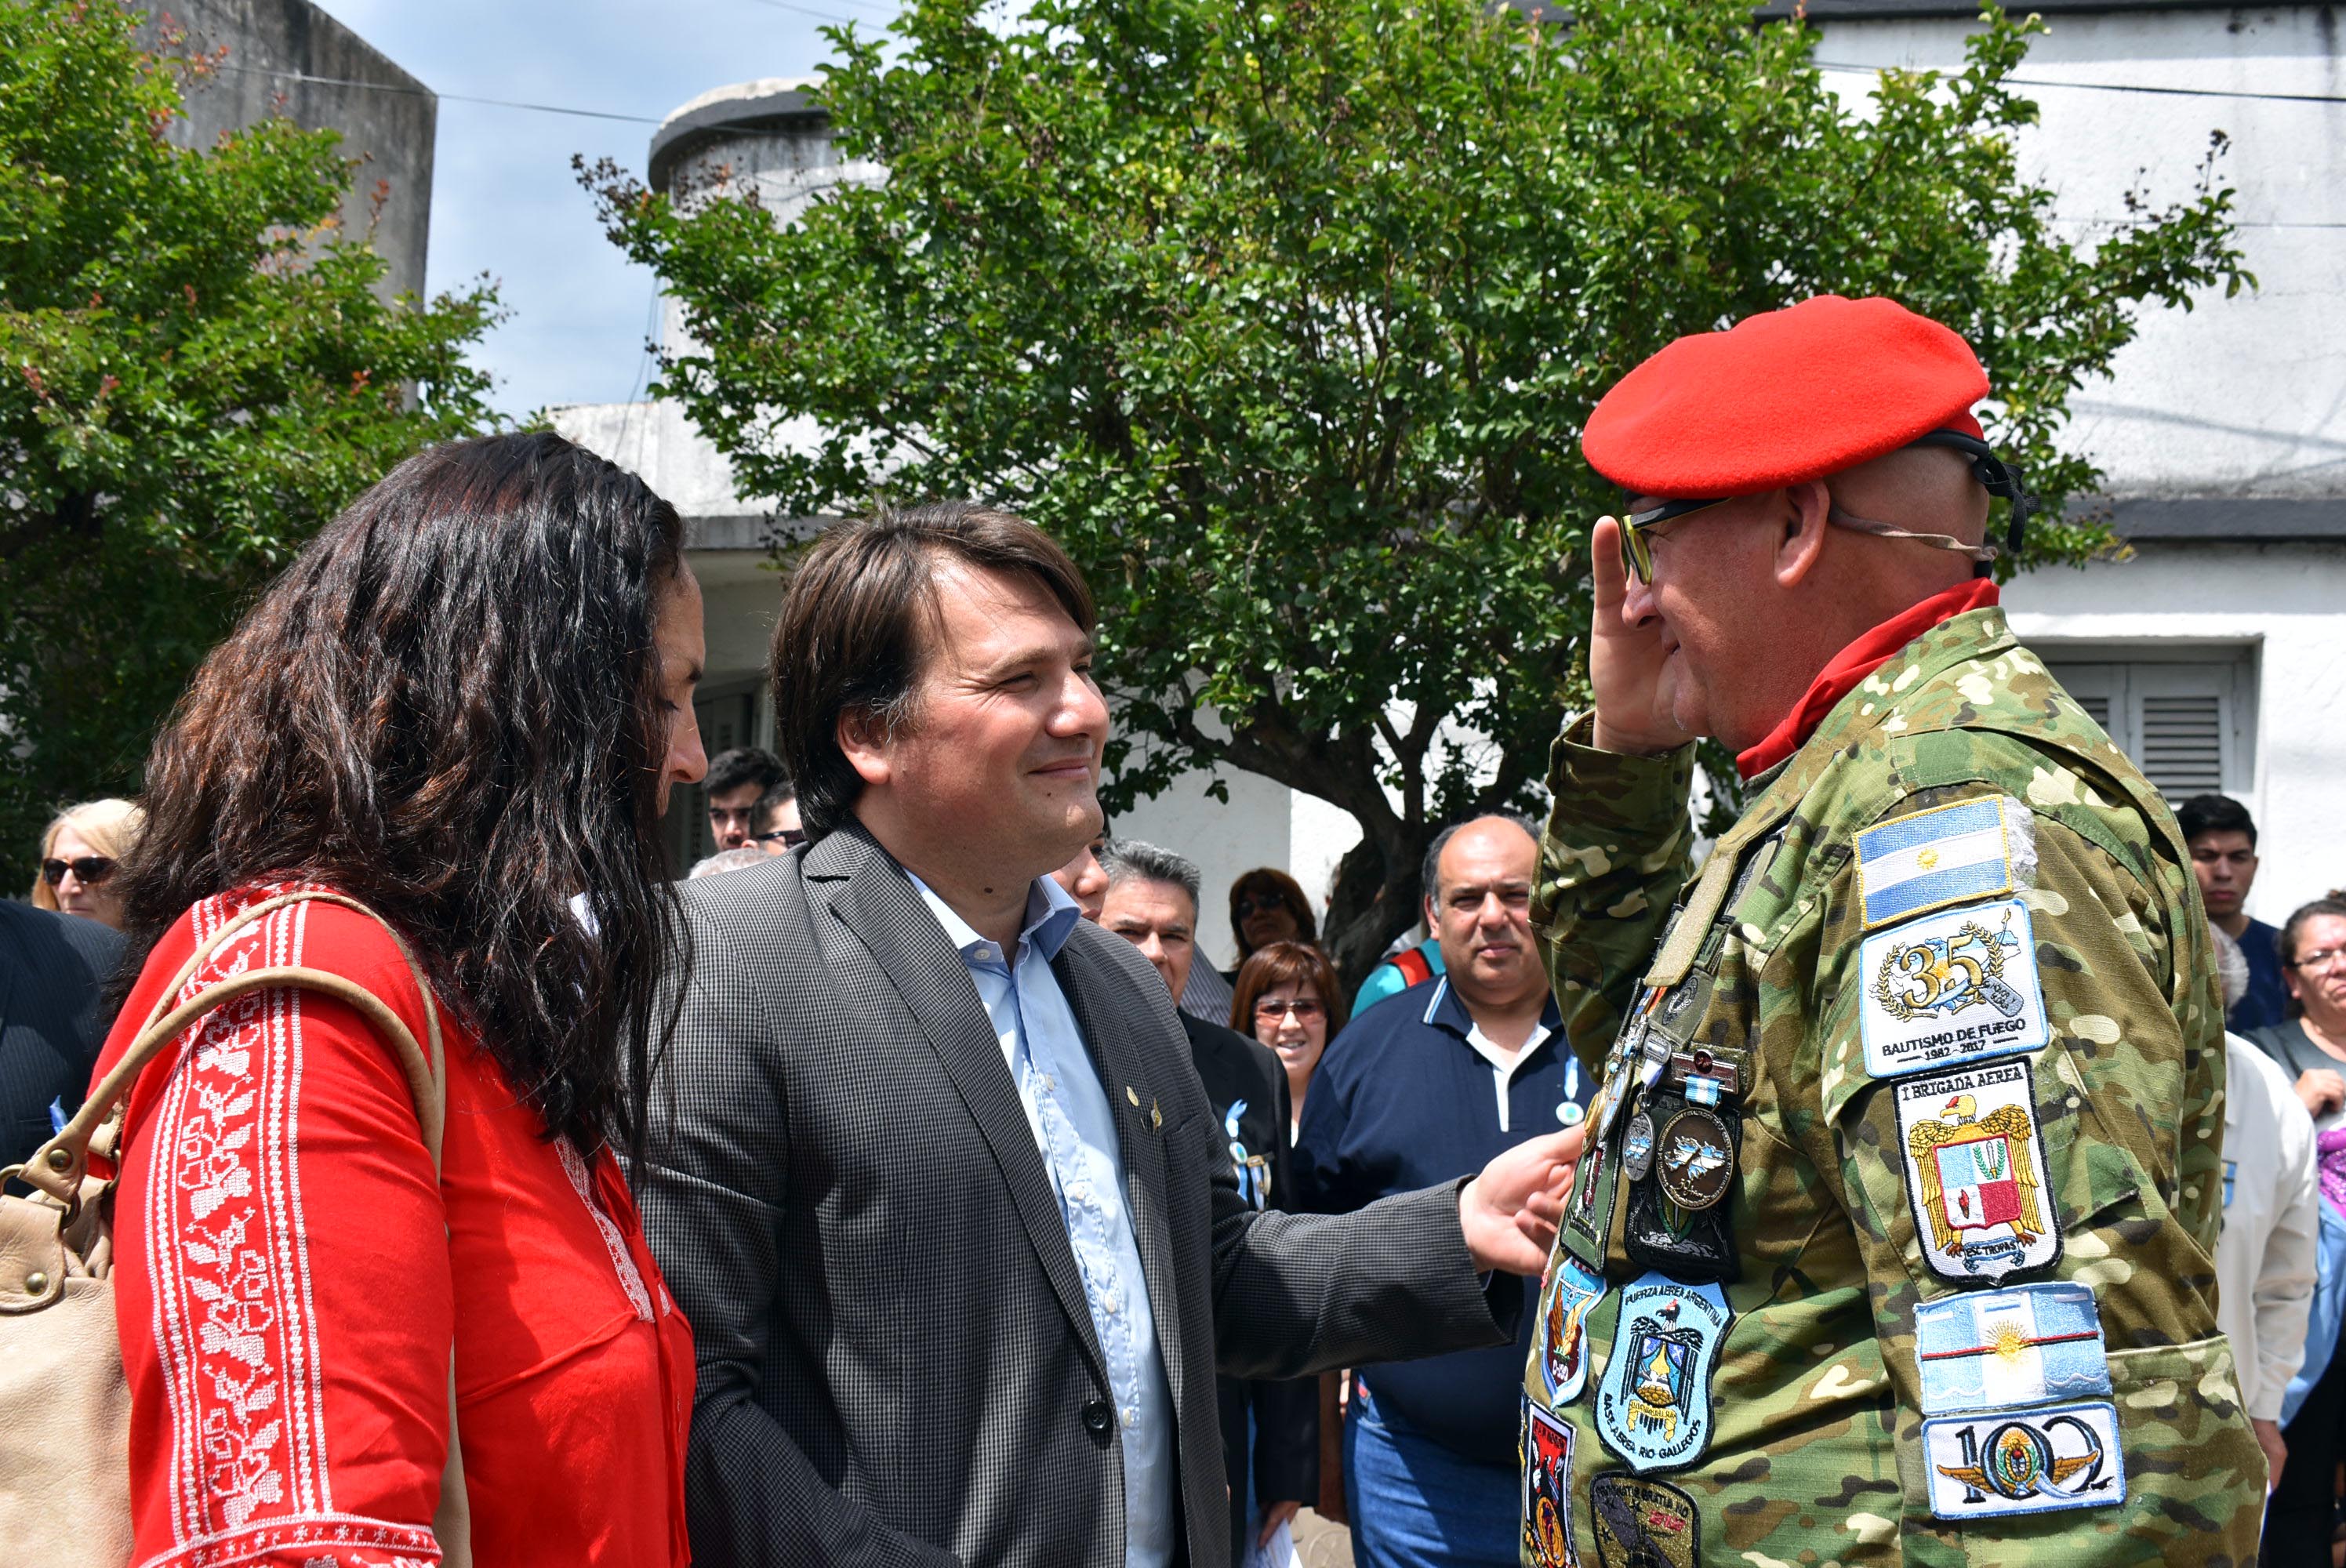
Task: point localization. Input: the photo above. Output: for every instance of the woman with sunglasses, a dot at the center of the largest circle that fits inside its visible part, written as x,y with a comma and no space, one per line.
1288,998
79,855
1267,905
462,705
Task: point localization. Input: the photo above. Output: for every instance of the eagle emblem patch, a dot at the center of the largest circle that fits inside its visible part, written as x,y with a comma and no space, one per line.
1573,1294
1652,1404
1951,987
1975,1173
2028,1461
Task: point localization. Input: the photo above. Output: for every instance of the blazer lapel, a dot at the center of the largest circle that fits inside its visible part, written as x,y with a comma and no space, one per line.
1103,1003
870,894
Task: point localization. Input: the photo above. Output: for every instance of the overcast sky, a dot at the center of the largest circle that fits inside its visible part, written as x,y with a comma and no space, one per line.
503,197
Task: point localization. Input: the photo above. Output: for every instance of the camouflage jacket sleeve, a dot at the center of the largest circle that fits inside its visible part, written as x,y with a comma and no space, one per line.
1616,850
2074,1138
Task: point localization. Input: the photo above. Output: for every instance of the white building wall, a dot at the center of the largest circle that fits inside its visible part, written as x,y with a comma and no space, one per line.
2244,396
2282,602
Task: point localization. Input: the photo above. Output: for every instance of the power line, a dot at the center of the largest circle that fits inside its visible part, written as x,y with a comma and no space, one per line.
2120,87
824,15
309,80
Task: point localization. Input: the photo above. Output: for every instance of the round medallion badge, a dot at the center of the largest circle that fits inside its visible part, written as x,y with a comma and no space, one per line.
1696,1158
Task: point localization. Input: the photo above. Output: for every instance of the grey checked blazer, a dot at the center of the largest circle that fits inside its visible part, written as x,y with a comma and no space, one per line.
896,1362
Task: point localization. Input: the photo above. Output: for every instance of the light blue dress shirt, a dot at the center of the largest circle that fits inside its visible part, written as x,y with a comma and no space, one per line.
1067,1107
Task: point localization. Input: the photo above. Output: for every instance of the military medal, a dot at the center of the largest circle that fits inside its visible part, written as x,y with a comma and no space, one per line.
1637,1147
1680,1208
1652,1404
1695,1155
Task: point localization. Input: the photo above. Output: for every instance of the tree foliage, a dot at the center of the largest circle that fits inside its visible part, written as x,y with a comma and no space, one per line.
1283,316
196,371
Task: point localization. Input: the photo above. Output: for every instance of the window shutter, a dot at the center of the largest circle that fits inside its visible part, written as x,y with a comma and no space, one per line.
2180,745
2096,706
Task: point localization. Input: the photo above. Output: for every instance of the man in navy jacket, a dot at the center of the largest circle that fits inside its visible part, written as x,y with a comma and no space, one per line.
1423,1089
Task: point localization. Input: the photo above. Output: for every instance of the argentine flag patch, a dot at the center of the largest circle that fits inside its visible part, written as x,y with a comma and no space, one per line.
1928,859
1997,1350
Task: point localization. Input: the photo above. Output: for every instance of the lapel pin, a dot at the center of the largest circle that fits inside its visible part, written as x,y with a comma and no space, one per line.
1156,1117
1129,1094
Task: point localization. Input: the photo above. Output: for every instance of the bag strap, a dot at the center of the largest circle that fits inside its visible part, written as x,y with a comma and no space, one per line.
59,1165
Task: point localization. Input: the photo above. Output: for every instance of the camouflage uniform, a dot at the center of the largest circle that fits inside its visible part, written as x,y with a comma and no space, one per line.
1814,1448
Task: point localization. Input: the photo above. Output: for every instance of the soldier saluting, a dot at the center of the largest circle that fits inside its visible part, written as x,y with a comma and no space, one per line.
1893,1235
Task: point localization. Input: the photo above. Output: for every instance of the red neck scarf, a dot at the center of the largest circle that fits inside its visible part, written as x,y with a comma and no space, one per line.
1854,664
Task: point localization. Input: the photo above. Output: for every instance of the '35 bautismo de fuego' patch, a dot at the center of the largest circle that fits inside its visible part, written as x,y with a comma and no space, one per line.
1975,1166
1951,987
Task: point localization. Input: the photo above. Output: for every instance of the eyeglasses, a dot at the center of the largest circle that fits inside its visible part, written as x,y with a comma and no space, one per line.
1256,903
2320,958
1268,1012
88,869
1995,475
792,838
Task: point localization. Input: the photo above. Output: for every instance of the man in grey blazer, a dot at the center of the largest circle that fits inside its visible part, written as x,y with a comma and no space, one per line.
932,1176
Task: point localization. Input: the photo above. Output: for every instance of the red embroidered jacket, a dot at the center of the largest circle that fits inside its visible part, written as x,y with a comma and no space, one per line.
289,1277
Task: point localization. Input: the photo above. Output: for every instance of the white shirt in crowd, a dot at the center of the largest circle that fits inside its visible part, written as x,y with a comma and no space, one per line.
2267,1253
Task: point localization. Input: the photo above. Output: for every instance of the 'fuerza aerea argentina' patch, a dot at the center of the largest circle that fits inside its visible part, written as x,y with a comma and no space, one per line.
1950,987
1928,860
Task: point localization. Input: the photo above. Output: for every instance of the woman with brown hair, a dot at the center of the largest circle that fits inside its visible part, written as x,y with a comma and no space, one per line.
1288,998
1267,905
462,706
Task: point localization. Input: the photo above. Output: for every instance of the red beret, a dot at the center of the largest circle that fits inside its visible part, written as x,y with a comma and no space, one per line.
1781,397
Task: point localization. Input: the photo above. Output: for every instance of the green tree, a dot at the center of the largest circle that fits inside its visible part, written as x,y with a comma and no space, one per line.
196,371
1283,316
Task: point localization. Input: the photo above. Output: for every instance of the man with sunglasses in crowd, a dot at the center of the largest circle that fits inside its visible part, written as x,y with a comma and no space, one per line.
1906,1170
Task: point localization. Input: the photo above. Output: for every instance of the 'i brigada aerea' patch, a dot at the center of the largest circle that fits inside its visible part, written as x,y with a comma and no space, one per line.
1950,987
1928,860
1975,1178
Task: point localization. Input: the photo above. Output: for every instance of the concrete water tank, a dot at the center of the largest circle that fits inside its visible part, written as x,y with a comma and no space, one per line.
772,137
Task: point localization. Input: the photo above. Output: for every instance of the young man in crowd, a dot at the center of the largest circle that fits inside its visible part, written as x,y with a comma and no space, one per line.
736,780
1424,1091
2223,838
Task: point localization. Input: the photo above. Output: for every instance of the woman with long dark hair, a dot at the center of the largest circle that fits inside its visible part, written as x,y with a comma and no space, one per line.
463,705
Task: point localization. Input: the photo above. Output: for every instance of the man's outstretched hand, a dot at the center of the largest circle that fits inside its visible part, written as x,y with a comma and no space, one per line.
1510,1212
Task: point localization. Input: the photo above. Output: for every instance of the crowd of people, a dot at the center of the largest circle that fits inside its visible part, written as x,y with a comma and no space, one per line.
899,1187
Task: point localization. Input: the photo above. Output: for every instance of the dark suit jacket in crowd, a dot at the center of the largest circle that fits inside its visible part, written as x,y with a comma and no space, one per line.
1236,1072
53,968
896,1361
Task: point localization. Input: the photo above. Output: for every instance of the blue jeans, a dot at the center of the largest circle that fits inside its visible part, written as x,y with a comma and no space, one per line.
1417,1504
